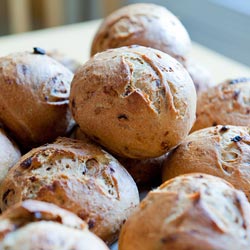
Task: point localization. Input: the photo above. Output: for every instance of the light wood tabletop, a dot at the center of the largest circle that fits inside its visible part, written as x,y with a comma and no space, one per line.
75,41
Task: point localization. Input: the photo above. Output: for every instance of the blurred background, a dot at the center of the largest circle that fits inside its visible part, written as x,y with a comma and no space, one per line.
222,25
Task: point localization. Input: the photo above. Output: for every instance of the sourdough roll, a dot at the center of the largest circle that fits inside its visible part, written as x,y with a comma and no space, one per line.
143,24
79,177
9,154
34,92
223,151
225,104
137,102
196,211
33,225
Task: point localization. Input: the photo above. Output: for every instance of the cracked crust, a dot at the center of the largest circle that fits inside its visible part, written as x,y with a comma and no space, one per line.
223,151
148,25
140,101
225,104
33,225
34,92
195,211
77,176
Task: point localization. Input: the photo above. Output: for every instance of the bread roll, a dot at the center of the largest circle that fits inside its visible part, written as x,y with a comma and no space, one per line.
65,60
34,225
77,176
196,211
9,154
34,92
143,24
223,151
225,104
135,101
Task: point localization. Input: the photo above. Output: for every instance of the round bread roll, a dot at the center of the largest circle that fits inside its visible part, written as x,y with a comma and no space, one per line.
225,104
146,173
79,177
197,211
35,225
65,60
222,151
200,75
34,92
140,102
9,154
143,24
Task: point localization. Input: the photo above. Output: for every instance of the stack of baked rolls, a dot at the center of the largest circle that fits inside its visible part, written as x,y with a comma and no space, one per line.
132,105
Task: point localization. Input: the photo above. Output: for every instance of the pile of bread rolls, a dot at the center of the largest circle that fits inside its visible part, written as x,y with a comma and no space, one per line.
90,137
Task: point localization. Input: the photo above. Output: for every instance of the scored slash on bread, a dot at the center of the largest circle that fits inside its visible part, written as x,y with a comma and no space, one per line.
135,101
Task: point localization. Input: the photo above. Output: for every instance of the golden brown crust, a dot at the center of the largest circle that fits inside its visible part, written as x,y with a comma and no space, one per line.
223,151
9,154
140,101
197,211
39,225
34,91
144,24
77,176
224,104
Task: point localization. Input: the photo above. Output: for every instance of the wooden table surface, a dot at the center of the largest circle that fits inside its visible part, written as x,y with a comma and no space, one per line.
75,41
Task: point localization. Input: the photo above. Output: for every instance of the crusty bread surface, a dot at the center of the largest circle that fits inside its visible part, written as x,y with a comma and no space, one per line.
135,101
77,176
196,211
